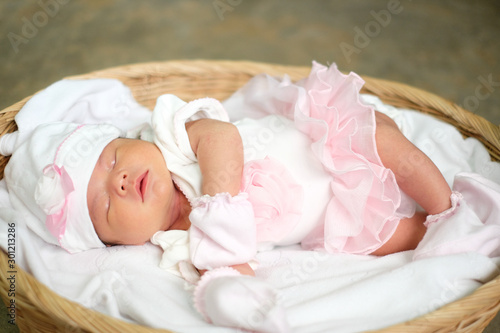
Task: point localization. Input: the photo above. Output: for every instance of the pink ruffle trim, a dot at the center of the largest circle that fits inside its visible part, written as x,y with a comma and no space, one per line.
224,197
366,205
276,198
455,198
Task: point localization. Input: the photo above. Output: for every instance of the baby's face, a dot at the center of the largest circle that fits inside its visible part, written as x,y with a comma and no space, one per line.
130,194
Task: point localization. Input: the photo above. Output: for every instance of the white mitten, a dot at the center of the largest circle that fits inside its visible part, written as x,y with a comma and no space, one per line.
226,298
222,232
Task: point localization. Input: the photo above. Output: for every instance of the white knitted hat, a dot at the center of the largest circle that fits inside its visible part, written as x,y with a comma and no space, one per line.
47,179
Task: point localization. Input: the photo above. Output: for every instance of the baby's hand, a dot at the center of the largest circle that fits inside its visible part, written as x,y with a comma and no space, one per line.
243,269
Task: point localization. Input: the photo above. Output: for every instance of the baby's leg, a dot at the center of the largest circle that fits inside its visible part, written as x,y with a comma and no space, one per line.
417,176
408,234
415,173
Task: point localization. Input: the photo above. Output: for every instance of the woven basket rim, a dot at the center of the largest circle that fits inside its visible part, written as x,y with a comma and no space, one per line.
484,302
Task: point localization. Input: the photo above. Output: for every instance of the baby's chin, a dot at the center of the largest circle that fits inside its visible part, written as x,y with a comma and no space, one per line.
141,241
125,242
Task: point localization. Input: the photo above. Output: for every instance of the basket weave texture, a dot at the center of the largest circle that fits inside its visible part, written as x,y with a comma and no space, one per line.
38,309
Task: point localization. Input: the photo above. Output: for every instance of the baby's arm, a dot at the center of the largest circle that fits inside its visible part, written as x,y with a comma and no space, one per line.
219,149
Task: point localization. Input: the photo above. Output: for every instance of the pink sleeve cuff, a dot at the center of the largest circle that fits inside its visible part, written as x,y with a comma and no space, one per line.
455,202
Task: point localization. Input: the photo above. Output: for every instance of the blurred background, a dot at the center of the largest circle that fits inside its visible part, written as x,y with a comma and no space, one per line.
450,48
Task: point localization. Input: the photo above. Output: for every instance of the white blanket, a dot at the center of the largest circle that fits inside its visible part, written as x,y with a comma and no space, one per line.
320,292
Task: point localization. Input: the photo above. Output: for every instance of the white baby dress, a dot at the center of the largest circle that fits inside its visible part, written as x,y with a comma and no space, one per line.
312,173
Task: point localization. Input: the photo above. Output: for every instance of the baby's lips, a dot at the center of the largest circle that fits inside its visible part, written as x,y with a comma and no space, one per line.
141,184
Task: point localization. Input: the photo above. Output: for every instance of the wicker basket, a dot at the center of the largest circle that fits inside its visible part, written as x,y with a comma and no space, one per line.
41,310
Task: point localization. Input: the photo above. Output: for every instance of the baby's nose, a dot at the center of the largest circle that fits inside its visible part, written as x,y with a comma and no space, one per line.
122,183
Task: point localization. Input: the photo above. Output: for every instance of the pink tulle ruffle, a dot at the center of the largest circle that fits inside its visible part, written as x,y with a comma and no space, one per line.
366,205
275,196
